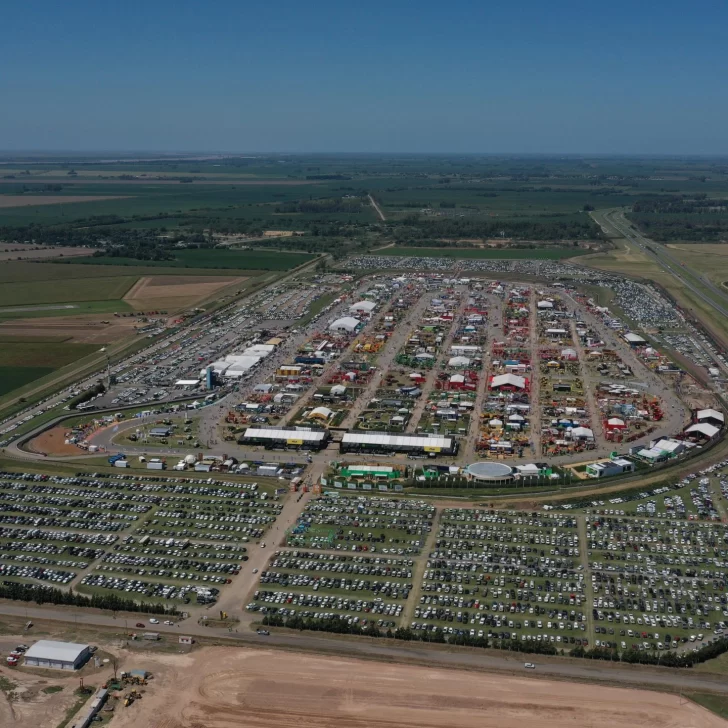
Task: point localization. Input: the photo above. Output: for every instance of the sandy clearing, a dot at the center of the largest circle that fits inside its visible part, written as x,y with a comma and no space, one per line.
36,200
175,292
225,688
53,442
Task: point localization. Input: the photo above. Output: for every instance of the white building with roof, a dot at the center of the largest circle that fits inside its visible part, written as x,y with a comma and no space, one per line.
508,380
362,307
54,655
711,415
347,324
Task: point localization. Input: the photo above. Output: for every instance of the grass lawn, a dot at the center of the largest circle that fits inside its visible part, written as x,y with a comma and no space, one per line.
541,253
12,378
28,293
53,356
82,308
220,259
717,704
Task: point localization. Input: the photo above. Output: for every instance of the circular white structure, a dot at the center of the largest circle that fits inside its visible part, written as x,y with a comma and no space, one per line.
488,472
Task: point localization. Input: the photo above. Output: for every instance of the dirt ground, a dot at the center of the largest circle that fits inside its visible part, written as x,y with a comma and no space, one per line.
32,200
76,329
226,688
176,292
53,442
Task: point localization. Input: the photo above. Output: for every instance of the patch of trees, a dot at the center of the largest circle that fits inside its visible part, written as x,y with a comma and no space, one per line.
694,218
414,228
327,176
346,205
666,658
50,595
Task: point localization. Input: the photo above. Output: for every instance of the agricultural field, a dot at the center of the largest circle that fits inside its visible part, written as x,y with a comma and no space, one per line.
21,362
244,260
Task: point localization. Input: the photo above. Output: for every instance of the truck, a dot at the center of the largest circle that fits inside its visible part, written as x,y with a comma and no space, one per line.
114,458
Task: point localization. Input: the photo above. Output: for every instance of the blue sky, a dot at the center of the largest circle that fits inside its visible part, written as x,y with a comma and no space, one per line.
532,77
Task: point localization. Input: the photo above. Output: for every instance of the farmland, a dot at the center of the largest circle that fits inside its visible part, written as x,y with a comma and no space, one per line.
21,362
245,260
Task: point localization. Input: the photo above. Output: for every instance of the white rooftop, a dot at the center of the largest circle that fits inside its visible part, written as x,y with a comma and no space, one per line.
52,650
708,414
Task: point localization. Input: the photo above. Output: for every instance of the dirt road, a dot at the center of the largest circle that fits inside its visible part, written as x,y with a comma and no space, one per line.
377,208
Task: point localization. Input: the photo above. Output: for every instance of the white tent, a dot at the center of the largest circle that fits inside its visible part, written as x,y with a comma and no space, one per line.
458,361
512,380
347,324
322,412
704,429
582,433
363,307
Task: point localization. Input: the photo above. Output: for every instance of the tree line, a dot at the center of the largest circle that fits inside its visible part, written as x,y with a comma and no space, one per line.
51,595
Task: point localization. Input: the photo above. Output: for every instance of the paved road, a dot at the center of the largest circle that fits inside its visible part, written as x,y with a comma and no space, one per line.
391,651
664,258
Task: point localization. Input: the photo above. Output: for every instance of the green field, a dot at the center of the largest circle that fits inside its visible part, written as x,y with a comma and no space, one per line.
28,293
44,355
13,377
540,253
22,363
217,258
717,704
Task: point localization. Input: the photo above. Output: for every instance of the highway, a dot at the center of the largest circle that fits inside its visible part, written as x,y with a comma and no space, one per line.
385,650
661,254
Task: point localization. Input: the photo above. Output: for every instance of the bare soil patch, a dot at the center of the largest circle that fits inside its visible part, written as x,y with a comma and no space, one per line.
75,329
225,688
175,292
35,200
53,442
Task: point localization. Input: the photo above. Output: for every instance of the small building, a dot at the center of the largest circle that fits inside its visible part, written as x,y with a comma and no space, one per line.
609,468
634,339
703,429
54,655
711,416
508,382
362,307
160,432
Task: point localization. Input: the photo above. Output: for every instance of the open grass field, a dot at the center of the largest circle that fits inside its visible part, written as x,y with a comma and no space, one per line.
22,363
539,253
244,260
12,378
50,355
29,293
7,201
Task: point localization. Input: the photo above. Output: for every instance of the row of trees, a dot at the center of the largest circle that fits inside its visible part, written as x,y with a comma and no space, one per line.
50,595
339,625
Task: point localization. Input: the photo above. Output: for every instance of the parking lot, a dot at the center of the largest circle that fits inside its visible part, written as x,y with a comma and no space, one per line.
155,536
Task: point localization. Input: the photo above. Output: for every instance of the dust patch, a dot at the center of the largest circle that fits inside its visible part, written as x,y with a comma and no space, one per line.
176,292
75,329
226,688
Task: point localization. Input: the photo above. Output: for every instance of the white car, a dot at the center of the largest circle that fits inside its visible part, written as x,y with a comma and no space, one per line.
529,665
168,622
255,571
153,621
